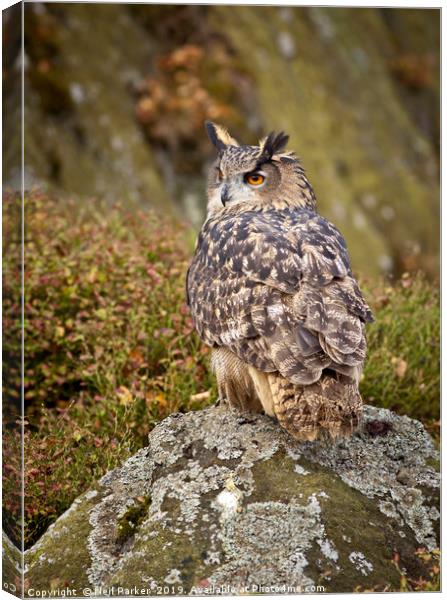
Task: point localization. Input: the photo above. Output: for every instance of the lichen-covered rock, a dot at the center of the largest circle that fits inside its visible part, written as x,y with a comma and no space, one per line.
229,502
11,567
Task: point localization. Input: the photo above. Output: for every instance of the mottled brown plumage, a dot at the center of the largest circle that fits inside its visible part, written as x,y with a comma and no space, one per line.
271,290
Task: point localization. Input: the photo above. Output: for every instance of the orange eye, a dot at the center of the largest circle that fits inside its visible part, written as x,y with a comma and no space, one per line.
254,179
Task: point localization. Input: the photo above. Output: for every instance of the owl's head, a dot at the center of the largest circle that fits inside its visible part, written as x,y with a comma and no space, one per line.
255,176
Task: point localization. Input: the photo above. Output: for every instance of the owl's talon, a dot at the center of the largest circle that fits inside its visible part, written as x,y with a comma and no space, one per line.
222,401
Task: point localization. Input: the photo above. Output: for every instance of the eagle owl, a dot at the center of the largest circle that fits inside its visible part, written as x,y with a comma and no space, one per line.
270,289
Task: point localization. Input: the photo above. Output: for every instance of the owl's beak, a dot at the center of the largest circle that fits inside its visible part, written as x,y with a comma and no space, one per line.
225,195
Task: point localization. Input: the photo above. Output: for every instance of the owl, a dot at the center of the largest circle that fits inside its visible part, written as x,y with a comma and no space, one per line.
271,291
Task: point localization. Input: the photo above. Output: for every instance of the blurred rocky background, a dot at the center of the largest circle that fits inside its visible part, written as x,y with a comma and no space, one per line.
116,96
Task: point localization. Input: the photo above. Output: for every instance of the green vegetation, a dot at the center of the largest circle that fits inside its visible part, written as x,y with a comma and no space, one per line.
110,346
403,369
127,525
430,582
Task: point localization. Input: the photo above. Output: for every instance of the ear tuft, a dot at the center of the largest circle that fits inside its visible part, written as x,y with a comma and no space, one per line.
219,136
274,143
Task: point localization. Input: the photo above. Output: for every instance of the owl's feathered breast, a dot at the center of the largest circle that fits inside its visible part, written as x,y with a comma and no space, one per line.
275,287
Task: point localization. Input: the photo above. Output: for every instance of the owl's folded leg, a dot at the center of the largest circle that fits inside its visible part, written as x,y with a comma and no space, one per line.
263,390
234,383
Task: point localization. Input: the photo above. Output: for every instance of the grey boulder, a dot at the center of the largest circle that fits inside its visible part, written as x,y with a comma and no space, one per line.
227,502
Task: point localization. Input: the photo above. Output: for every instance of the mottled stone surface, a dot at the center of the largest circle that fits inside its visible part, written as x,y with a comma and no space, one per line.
11,567
221,498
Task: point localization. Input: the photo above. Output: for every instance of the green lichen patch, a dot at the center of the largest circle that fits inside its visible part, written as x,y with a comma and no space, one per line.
277,480
357,530
433,463
128,523
354,527
171,552
11,567
62,555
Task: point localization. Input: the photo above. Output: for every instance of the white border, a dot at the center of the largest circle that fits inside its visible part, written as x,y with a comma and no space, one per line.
331,3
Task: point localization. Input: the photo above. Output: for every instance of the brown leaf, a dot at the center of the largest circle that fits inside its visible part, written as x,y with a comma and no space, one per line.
156,398
400,366
124,395
200,396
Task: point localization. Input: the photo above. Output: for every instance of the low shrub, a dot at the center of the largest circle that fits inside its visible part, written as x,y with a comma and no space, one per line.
109,344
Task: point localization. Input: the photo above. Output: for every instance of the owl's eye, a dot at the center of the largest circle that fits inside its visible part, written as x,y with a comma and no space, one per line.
254,179
219,174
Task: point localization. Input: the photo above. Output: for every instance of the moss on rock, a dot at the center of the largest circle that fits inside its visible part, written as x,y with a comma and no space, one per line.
128,523
61,557
11,567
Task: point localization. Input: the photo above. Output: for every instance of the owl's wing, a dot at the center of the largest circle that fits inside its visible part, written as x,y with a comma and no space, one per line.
277,289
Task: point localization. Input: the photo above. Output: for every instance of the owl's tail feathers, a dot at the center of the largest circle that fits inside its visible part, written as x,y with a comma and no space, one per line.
332,406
